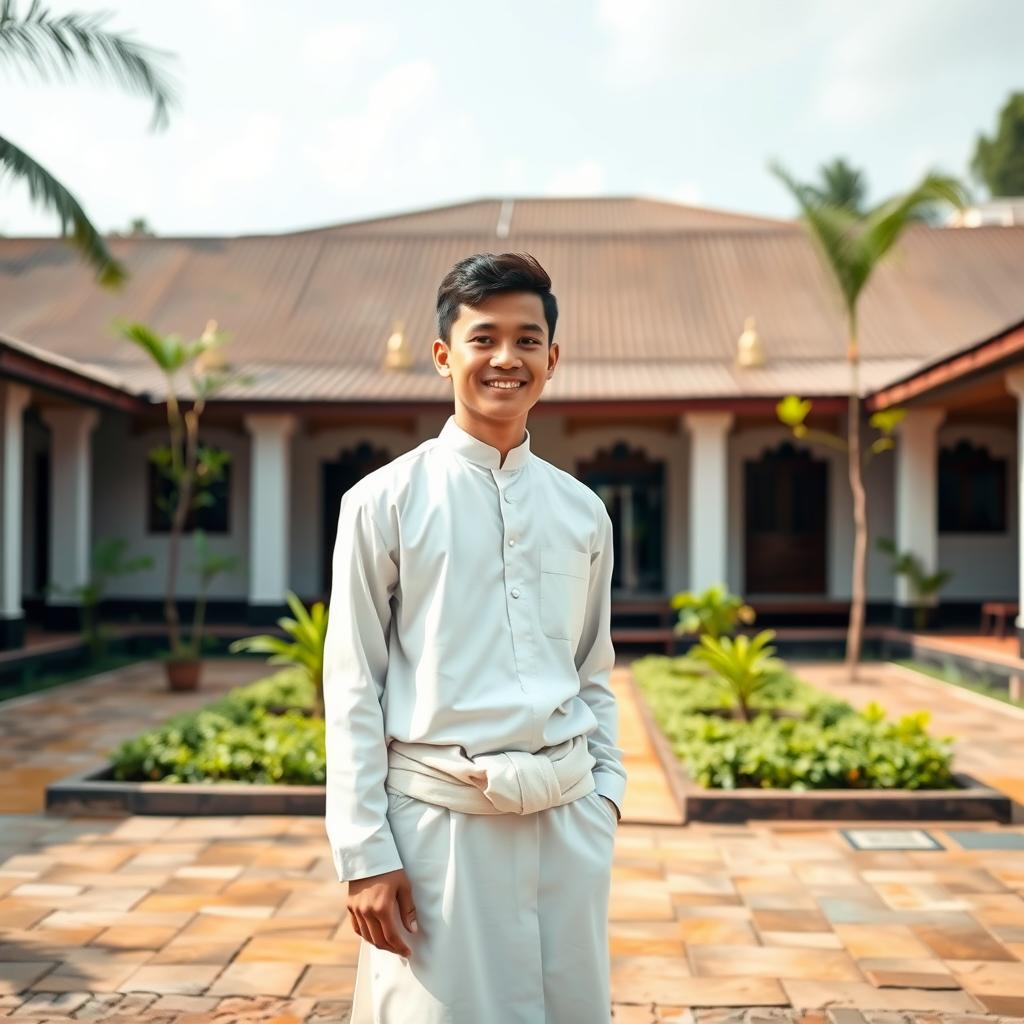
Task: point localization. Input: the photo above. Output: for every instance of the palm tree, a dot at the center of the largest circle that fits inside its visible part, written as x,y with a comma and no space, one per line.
852,245
841,185
59,47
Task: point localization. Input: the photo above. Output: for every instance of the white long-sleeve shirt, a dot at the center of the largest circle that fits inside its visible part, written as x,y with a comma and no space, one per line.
470,605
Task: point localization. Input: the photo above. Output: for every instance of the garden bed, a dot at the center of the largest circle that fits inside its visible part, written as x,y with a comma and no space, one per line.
831,763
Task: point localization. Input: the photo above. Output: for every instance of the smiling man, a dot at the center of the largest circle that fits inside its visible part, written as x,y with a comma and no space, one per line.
473,778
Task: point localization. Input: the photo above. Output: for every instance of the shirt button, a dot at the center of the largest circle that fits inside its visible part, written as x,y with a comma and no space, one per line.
515,591
511,542
508,496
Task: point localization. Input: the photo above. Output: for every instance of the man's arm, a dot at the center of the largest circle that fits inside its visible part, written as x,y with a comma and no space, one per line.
355,668
595,658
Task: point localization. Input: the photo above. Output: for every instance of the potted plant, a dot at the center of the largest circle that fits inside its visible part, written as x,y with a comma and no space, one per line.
107,562
189,468
923,585
305,649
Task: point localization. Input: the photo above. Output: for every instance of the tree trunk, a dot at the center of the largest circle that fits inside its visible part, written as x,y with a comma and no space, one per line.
855,632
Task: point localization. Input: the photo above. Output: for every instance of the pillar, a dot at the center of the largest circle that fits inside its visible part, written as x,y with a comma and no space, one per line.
917,500
269,521
13,400
1015,385
70,507
708,497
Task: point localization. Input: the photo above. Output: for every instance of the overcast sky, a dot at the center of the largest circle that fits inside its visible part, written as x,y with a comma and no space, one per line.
324,110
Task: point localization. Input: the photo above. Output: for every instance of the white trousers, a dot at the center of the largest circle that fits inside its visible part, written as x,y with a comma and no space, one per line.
512,913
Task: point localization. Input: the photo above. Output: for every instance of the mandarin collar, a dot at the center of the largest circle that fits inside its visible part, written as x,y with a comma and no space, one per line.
479,452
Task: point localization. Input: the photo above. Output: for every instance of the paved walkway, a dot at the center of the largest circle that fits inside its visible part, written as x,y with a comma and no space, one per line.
192,921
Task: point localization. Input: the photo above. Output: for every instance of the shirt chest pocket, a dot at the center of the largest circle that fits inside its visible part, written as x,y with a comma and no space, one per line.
564,575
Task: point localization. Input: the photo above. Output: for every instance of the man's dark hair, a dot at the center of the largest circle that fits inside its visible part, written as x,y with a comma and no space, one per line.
476,278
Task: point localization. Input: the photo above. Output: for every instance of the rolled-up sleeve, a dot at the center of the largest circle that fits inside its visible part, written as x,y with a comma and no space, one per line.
364,576
595,659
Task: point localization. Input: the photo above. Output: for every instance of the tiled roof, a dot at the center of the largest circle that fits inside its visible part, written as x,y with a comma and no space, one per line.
645,313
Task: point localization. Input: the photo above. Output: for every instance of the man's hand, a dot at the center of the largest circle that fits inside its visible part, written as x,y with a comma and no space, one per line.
611,804
376,904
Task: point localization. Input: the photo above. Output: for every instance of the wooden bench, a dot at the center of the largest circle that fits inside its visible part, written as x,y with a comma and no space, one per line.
995,614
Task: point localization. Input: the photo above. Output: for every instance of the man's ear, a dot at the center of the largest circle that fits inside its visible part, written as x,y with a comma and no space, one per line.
552,358
440,353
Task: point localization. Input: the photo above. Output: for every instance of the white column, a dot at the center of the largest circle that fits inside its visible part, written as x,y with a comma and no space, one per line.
269,502
708,497
70,498
1015,385
13,399
917,493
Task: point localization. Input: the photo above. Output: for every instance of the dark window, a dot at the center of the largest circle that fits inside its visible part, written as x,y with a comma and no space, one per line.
972,490
213,515
633,490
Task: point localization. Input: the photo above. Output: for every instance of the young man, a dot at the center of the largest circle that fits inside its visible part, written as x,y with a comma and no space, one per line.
473,780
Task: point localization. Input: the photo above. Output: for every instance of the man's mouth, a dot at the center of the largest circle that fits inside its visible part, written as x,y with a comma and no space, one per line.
505,385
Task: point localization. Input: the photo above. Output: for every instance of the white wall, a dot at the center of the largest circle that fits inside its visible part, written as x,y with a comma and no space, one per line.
120,468
984,565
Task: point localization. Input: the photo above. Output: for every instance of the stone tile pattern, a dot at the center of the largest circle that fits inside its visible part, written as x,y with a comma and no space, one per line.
196,920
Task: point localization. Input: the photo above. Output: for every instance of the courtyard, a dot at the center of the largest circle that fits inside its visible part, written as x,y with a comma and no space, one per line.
200,920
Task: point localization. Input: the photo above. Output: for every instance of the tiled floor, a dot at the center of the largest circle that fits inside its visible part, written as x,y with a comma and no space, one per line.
190,921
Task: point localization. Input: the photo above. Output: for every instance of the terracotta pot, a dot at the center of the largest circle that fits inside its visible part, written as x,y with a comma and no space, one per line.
183,673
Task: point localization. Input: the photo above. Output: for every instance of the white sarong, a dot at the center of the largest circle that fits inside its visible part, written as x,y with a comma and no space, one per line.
511,907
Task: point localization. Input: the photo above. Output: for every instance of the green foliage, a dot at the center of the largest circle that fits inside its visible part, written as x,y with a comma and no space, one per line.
60,47
793,411
108,561
305,650
742,667
714,612
841,185
998,162
822,743
923,584
238,738
852,244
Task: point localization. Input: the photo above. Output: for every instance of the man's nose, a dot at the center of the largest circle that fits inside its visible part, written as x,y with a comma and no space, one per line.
505,355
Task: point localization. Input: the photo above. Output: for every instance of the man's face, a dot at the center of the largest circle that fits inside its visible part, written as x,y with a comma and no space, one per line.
498,358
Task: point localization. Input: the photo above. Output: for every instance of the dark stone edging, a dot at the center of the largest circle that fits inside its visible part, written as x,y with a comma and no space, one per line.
95,793
973,801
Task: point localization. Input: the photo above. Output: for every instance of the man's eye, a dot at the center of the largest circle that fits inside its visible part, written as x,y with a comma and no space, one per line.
481,338
532,341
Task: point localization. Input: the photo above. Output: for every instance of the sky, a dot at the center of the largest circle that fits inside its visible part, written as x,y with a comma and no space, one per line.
322,111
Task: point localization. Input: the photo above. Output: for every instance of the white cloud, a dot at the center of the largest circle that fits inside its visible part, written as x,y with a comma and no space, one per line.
650,39
401,131
587,178
338,52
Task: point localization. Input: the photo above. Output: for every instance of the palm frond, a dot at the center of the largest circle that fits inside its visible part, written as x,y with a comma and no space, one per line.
57,47
167,351
45,190
834,230
884,224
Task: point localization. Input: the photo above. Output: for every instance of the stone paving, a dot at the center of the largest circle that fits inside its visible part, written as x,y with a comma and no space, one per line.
193,921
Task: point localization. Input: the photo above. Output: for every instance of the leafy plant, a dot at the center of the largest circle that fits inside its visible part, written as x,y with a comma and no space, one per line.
742,666
236,738
202,361
305,650
823,743
208,567
712,613
107,562
923,584
59,47
852,246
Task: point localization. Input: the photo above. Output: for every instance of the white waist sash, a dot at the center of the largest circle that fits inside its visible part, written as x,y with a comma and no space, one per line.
510,782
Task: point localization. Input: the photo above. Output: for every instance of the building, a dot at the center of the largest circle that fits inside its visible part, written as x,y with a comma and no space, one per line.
680,330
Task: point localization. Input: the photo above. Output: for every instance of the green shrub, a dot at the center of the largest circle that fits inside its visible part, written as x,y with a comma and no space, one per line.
235,738
824,743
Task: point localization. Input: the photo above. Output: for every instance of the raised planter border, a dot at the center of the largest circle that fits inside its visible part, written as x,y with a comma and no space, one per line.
974,801
95,793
